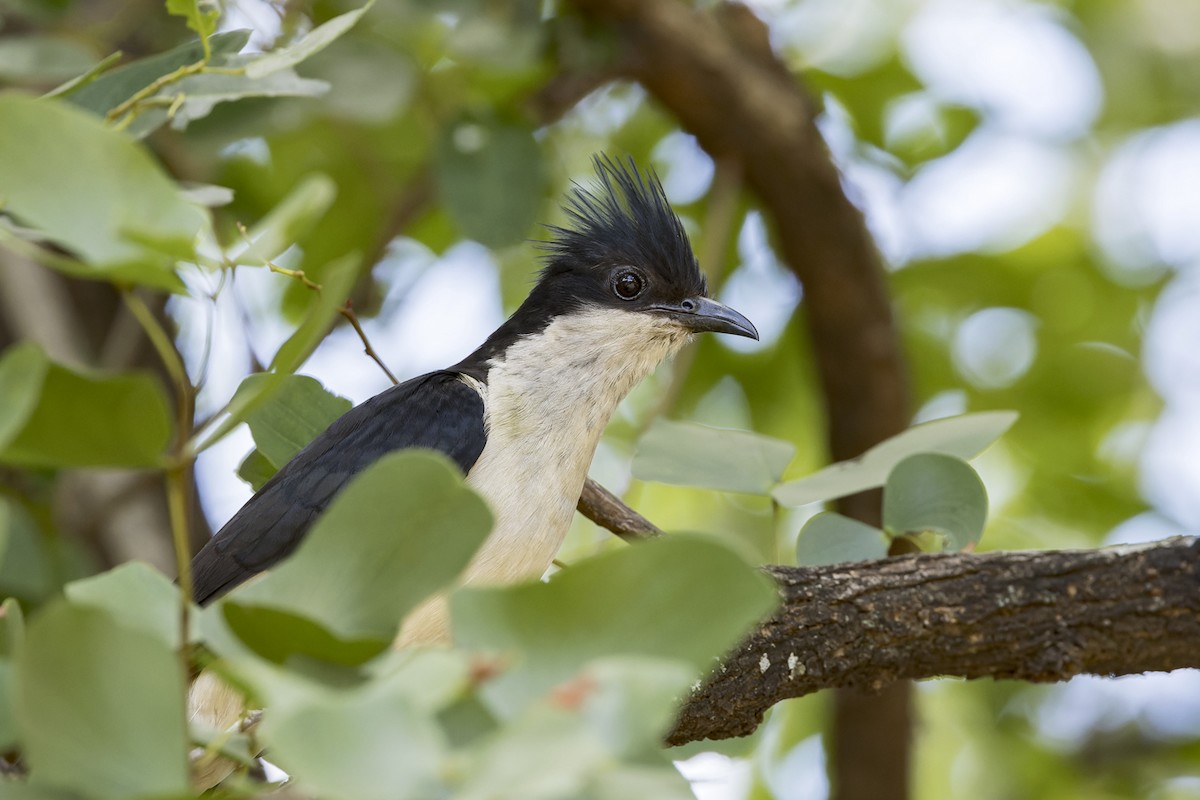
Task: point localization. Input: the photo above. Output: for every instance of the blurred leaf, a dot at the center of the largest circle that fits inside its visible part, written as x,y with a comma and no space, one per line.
433,677
86,421
10,732
277,635
26,569
630,702
135,595
22,373
296,412
207,194
91,189
33,58
617,603
286,222
201,15
362,744
111,89
830,538
367,561
545,753
12,624
939,493
256,470
662,783
336,283
12,634
79,81
965,436
715,458
311,43
202,92
491,177
99,707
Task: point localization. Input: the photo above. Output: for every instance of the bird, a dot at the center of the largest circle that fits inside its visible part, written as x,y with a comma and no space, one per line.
620,291
521,416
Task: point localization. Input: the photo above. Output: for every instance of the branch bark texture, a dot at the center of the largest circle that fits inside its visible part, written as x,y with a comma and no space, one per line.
1032,616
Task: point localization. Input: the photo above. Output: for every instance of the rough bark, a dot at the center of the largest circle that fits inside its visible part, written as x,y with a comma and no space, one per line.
1032,616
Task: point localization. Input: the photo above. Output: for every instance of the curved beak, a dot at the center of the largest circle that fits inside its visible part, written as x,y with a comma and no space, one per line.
700,314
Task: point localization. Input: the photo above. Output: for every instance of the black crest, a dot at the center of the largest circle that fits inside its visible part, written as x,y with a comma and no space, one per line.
625,219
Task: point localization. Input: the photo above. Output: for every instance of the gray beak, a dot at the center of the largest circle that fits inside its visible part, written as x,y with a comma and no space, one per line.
701,314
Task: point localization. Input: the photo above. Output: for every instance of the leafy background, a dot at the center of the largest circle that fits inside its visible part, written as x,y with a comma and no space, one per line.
1029,171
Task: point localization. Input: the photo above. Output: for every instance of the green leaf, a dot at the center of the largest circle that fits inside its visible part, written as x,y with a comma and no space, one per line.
12,627
830,538
310,44
630,702
288,221
371,743
86,421
201,15
965,436
135,595
22,373
336,283
12,634
366,563
491,177
634,601
294,414
27,566
696,455
90,189
99,707
203,92
277,635
548,752
79,81
256,470
661,783
938,493
10,732
111,89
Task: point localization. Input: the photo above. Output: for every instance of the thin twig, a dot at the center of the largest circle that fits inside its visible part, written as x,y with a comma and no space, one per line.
347,311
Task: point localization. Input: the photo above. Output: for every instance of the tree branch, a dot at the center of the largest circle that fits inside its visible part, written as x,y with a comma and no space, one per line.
1033,616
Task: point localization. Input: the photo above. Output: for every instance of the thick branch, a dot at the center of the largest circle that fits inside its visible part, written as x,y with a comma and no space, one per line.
1033,616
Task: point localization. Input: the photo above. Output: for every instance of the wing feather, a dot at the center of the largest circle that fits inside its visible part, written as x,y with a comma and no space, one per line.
437,411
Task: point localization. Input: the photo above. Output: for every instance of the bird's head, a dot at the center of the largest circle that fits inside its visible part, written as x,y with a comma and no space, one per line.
621,283
625,249
624,264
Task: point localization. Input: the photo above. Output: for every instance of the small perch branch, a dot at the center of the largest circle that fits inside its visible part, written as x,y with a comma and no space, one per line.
606,510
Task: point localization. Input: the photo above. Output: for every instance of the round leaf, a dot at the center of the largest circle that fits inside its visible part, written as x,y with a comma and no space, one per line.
939,493
100,706
107,201
369,559
830,538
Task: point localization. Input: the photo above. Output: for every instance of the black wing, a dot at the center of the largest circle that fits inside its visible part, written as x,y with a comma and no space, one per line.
437,411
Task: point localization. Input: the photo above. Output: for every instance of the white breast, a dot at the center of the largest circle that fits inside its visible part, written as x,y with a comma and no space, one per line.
547,403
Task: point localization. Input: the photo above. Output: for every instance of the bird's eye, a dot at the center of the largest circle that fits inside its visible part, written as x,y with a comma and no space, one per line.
628,284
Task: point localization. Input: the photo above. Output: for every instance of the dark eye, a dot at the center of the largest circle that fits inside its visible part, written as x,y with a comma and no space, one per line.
628,284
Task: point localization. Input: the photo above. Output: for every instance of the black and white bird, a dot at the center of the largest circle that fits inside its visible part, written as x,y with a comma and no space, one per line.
522,415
